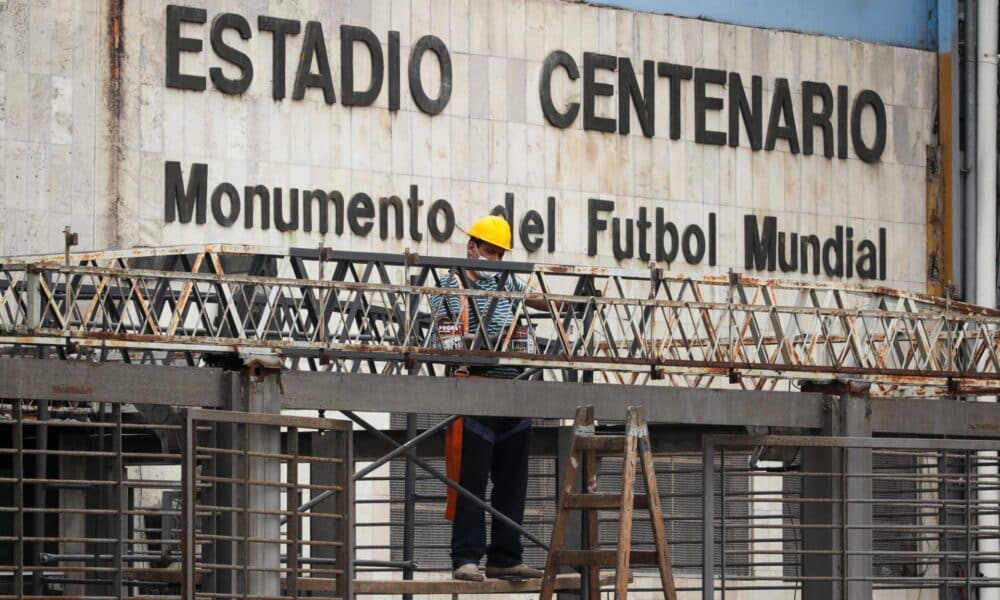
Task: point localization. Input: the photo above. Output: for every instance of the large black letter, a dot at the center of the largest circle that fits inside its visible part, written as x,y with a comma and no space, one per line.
180,204
811,118
177,44
595,223
664,227
360,207
257,191
414,202
628,88
440,206
225,189
703,102
842,121
781,108
864,152
592,62
348,35
279,216
752,115
393,70
674,74
760,248
532,228
558,58
314,45
383,216
279,28
420,98
230,54
322,198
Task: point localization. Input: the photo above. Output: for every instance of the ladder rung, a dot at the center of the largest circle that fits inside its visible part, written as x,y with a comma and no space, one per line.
602,501
604,558
600,443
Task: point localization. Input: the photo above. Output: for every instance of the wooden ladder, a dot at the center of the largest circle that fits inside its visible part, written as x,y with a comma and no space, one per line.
585,446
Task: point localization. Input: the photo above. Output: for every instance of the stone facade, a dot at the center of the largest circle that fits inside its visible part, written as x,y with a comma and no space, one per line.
78,152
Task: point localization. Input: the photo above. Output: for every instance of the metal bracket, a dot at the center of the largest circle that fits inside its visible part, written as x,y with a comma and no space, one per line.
70,239
259,367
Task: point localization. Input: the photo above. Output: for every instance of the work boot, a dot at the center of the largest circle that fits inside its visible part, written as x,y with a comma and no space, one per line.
468,572
521,571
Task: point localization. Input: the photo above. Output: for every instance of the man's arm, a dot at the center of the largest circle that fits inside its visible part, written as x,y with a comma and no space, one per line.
444,306
535,301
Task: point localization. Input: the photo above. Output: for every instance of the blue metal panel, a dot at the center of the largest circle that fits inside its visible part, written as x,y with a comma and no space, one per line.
912,23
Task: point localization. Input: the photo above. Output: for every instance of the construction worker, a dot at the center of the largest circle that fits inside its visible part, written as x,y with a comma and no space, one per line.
480,448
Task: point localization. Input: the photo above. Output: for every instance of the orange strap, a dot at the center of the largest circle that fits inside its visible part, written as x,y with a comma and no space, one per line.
463,315
453,462
453,435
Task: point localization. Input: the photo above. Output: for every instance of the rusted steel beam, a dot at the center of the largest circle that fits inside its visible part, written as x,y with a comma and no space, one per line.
617,326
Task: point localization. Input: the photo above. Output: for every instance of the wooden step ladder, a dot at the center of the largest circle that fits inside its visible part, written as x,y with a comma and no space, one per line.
585,446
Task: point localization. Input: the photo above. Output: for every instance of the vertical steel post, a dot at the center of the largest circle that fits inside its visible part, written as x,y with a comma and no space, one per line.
345,506
244,501
226,523
188,498
722,519
845,565
944,541
409,507
968,524
18,498
410,470
118,500
707,518
41,474
210,524
292,505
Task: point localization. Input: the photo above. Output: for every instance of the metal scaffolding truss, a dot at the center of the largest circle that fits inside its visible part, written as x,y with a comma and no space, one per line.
319,309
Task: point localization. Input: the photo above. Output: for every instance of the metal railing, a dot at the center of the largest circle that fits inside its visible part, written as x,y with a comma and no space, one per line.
845,517
107,504
87,509
104,504
373,313
244,481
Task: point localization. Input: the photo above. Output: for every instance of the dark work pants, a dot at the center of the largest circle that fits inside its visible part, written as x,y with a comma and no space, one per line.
497,448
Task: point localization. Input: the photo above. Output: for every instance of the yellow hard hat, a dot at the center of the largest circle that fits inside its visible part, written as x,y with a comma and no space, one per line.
492,229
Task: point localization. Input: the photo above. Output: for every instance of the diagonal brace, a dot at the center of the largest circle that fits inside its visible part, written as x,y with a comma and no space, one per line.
409,454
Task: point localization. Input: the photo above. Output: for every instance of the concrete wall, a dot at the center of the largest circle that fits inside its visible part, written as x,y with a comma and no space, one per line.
53,125
77,153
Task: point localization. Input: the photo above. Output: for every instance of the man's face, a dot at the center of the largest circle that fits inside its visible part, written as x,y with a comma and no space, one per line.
485,250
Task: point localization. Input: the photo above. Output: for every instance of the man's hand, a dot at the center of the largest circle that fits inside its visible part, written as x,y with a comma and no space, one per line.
536,301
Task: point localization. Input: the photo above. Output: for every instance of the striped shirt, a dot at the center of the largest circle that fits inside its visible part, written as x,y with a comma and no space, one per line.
503,315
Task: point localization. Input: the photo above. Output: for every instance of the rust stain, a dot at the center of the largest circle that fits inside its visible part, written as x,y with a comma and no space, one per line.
939,188
116,44
113,99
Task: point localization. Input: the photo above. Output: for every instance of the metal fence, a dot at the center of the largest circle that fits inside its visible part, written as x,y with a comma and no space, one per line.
245,479
841,517
99,502
106,501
